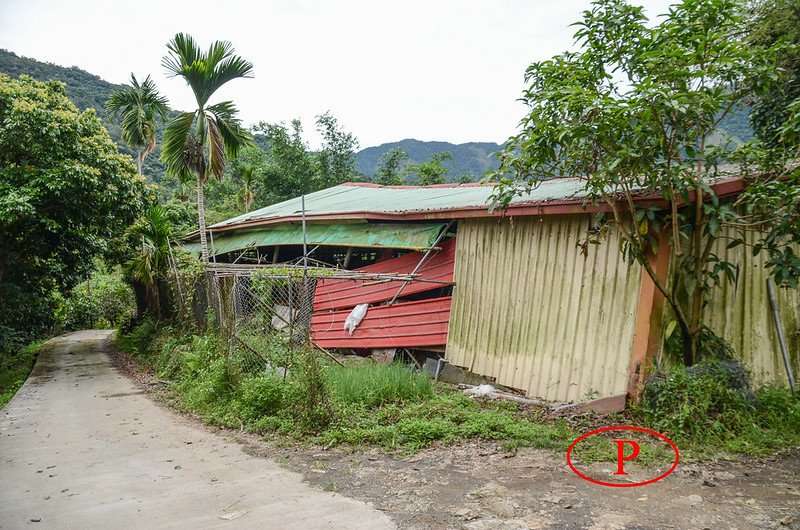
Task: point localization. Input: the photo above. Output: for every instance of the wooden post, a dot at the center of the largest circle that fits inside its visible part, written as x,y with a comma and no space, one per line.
649,313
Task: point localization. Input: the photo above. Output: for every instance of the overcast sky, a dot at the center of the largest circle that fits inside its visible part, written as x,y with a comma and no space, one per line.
430,70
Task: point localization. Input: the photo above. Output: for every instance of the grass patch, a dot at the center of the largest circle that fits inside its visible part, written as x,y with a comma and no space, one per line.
14,370
373,385
390,406
398,409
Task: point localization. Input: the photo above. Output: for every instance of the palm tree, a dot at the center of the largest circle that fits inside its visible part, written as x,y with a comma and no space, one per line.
199,143
138,105
247,173
154,230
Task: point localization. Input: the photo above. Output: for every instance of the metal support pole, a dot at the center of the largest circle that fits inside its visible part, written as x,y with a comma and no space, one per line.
347,258
424,258
305,246
213,254
773,301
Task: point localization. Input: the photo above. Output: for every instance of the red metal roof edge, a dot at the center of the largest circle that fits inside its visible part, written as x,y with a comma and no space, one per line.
723,188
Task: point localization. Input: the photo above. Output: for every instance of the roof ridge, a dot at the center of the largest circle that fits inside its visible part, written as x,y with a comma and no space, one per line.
413,187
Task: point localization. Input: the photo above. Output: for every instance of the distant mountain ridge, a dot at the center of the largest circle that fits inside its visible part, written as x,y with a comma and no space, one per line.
473,158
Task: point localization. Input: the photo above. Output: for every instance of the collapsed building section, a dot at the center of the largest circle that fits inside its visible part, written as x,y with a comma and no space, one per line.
510,295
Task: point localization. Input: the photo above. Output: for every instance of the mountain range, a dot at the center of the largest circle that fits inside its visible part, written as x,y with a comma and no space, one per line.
472,158
87,90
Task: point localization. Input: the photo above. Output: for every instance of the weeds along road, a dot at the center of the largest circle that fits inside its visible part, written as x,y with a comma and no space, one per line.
82,447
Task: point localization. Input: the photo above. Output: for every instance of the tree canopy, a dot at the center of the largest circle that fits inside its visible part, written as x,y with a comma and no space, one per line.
65,191
636,110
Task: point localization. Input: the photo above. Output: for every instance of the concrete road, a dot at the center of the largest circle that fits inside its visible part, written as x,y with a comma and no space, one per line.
82,447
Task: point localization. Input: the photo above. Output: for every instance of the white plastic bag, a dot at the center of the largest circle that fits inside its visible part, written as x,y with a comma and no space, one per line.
355,317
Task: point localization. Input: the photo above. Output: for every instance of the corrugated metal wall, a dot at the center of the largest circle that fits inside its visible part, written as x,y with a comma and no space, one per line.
531,311
741,313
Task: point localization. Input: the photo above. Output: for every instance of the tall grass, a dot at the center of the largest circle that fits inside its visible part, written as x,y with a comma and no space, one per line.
376,384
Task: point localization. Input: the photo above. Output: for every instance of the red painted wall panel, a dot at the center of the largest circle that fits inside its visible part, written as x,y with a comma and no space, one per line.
405,324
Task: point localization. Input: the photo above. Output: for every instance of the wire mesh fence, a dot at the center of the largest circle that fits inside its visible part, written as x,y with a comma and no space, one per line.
263,316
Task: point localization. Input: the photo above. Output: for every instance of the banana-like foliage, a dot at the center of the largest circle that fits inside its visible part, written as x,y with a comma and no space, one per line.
137,106
154,231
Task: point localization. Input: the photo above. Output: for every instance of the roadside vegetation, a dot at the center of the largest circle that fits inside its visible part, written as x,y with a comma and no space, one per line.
389,406
14,370
303,397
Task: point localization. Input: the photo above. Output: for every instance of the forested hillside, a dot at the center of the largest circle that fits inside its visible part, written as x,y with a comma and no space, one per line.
86,91
470,159
90,91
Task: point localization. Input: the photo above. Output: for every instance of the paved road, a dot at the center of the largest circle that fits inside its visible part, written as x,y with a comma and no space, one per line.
82,447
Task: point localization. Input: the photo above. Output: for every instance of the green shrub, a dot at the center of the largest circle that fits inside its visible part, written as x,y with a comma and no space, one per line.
104,301
309,399
261,396
705,408
376,384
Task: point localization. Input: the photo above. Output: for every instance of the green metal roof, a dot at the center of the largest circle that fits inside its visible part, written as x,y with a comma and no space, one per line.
351,198
413,236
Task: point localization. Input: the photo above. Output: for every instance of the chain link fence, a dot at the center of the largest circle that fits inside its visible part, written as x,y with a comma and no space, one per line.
262,316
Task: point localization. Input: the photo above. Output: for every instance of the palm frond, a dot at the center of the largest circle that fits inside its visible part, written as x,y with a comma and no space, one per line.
179,151
155,229
152,101
183,52
215,148
137,106
204,72
230,127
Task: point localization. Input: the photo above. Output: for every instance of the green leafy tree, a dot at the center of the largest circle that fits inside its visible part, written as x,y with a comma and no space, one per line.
392,167
65,191
102,301
138,106
198,144
776,23
633,111
433,171
336,160
293,169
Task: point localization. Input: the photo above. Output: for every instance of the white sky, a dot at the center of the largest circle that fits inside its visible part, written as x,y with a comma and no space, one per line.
432,70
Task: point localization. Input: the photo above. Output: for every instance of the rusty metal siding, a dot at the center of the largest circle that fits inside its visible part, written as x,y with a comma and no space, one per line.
740,312
531,311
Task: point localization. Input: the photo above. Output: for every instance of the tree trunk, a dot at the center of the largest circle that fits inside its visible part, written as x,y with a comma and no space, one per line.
201,219
139,160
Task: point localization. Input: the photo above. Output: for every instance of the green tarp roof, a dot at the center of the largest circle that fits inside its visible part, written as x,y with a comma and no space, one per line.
411,236
350,198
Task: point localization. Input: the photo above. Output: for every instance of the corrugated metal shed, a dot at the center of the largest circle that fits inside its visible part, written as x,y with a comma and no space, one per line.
335,293
531,311
412,236
740,312
407,324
